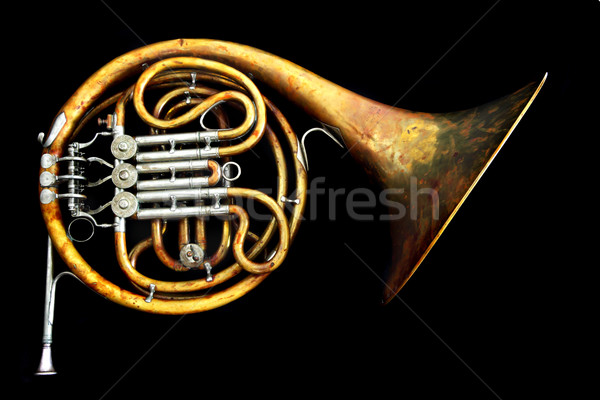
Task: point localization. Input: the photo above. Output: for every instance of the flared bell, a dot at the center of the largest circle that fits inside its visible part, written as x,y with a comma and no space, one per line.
437,160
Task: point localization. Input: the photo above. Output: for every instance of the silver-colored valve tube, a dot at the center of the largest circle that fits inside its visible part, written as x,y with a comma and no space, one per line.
177,155
177,138
165,196
181,212
178,183
170,166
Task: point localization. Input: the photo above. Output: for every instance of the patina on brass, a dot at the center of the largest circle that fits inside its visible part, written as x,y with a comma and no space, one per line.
445,153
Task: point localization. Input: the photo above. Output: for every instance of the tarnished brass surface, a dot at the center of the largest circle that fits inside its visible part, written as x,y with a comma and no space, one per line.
443,153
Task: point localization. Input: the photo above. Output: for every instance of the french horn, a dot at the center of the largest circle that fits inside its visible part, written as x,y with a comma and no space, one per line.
167,122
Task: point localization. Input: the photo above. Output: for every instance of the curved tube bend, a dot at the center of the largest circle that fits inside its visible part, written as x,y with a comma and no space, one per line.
240,236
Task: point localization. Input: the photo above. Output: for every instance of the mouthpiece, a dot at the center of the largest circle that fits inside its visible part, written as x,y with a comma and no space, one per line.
46,367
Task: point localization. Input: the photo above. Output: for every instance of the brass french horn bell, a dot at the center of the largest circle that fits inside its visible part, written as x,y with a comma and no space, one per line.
171,173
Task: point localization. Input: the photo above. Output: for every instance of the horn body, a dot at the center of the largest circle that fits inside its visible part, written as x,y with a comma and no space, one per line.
444,153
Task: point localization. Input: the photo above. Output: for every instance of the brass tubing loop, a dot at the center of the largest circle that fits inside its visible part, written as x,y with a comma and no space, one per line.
179,106
174,171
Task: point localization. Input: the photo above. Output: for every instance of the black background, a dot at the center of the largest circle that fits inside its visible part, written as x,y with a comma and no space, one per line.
495,311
